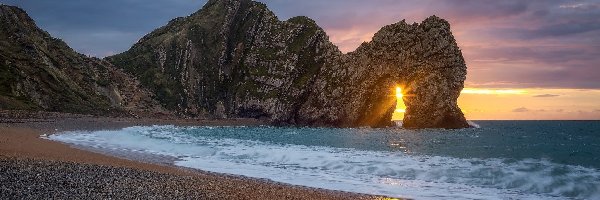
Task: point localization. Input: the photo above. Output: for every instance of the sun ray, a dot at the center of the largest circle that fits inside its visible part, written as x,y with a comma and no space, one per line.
400,107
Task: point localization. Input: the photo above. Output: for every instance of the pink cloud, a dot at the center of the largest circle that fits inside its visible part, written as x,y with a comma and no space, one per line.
526,43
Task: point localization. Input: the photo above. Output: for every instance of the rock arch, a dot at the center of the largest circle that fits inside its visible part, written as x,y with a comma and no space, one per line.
238,56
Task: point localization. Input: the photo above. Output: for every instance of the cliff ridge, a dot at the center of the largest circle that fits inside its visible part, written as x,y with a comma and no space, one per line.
235,58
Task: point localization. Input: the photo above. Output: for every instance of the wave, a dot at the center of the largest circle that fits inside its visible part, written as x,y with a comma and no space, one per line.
473,124
347,169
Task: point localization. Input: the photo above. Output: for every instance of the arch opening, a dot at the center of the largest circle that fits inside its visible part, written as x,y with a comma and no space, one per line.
398,115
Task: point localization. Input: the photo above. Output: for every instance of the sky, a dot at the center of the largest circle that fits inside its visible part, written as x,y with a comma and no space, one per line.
548,50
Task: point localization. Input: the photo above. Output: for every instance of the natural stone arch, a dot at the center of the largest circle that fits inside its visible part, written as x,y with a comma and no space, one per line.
236,55
422,58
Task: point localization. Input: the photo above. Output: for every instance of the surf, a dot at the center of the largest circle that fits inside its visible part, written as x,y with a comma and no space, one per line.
257,152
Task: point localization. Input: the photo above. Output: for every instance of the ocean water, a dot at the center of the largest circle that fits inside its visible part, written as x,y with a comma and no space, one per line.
499,160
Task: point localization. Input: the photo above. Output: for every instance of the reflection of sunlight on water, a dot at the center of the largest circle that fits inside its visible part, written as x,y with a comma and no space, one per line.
390,181
397,145
351,165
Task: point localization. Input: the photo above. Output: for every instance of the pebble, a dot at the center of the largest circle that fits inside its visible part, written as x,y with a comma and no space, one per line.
24,178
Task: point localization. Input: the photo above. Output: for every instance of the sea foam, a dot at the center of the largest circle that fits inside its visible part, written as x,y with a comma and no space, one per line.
391,173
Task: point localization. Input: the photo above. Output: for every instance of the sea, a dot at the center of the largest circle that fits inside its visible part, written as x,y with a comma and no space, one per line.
498,160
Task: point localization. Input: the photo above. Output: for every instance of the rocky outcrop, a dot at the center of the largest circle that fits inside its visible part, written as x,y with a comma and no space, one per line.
423,59
39,72
234,58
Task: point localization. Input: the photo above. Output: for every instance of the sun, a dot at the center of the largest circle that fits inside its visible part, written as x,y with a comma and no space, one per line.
400,107
399,94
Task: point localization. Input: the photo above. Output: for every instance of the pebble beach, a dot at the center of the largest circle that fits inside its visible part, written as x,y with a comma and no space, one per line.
36,168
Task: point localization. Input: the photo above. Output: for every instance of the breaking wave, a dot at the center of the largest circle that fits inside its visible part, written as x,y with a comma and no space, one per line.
391,173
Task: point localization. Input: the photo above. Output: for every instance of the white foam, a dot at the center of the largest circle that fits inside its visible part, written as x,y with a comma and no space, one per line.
473,124
372,172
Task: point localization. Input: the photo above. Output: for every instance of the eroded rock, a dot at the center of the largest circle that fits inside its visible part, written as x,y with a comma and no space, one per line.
39,72
235,58
236,53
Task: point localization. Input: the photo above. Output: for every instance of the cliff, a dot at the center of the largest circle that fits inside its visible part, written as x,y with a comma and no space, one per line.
39,72
235,58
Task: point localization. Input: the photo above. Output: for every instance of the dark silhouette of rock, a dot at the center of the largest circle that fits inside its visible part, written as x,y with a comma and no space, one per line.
238,55
235,58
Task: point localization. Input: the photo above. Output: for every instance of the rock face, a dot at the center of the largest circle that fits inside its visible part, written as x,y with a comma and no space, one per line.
234,58
39,72
425,60
231,59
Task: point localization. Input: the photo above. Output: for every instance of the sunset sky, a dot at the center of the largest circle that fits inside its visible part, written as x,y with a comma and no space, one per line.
547,51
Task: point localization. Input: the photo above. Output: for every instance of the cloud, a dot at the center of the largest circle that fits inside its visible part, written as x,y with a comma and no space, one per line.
546,95
520,110
97,27
543,44
534,65
581,6
563,29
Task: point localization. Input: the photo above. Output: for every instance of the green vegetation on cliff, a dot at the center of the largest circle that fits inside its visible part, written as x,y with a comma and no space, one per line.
229,51
39,72
235,58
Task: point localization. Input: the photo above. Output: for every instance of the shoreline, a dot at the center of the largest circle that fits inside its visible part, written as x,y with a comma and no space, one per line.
20,142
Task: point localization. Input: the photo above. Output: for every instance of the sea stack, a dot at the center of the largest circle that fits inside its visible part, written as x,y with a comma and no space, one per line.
235,58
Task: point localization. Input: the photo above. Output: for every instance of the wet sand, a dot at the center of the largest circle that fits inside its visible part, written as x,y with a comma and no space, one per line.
37,168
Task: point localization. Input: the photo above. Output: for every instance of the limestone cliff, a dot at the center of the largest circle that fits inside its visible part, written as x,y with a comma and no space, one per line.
39,72
231,59
235,58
